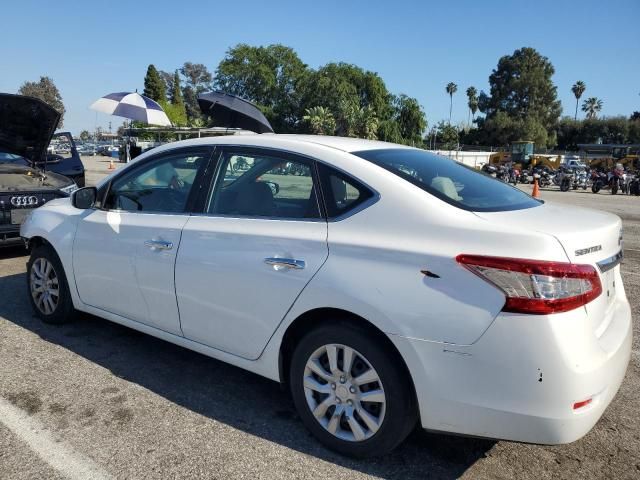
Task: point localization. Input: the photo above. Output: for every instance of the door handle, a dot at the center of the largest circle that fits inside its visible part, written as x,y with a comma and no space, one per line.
158,245
285,263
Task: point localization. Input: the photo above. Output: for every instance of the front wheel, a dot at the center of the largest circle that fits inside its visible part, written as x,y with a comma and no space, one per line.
614,188
565,185
351,391
47,286
597,186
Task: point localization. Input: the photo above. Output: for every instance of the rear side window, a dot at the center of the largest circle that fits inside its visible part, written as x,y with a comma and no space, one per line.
450,181
342,193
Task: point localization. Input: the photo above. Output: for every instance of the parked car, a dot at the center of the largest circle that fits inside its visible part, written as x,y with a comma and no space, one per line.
26,125
384,285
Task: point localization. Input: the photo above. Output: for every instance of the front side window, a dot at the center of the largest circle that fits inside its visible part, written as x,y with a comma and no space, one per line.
450,181
264,186
162,186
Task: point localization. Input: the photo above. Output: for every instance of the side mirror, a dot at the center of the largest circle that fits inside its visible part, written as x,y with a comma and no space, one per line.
84,198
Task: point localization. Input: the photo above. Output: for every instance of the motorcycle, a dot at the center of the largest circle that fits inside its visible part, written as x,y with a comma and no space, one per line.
514,174
617,181
580,179
598,180
634,185
564,178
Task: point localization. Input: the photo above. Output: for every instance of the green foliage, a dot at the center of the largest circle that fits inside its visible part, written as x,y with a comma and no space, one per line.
268,76
592,106
578,89
84,135
451,89
410,118
176,92
607,130
472,100
523,103
447,136
45,90
198,79
287,91
176,113
154,86
320,120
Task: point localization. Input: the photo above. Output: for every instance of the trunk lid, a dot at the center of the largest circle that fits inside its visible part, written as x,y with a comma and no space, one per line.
588,237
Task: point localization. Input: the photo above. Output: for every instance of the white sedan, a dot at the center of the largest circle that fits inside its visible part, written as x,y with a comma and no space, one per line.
386,286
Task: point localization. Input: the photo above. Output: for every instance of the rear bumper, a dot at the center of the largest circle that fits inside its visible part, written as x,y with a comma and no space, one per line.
519,381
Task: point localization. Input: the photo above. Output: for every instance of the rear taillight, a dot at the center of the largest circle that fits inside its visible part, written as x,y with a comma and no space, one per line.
537,287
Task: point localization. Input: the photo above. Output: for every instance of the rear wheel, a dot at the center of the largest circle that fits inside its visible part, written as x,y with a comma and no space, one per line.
47,286
351,392
565,185
614,188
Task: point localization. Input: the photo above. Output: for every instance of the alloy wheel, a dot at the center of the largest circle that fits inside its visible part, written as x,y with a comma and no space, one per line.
344,392
45,288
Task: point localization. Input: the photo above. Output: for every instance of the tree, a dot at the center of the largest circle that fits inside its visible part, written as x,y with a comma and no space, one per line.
635,116
84,135
447,134
45,90
523,103
320,120
270,77
472,96
154,86
451,89
592,106
198,79
176,92
344,89
578,89
410,118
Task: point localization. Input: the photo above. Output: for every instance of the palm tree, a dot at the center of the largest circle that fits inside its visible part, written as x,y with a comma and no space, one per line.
320,120
472,95
451,89
592,106
578,89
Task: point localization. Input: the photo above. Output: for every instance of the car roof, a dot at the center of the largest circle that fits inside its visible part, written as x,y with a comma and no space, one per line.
284,141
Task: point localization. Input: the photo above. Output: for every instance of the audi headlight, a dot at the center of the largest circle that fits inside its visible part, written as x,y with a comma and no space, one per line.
69,189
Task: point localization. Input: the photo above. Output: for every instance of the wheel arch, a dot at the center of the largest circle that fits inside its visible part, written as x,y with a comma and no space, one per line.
308,320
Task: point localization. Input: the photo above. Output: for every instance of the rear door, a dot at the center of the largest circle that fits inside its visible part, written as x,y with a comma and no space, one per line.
243,262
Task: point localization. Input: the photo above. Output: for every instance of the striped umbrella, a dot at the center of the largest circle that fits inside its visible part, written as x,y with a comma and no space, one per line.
132,106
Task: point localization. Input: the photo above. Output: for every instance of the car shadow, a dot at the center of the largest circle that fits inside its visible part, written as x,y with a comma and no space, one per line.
227,394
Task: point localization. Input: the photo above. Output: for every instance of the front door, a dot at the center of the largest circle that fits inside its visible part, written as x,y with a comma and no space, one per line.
244,261
125,251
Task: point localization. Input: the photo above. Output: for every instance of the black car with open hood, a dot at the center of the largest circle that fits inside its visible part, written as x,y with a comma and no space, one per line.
26,128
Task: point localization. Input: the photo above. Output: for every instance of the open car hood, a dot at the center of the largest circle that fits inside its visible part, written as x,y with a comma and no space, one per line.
26,126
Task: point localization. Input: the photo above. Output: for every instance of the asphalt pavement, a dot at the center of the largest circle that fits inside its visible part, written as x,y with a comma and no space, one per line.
94,399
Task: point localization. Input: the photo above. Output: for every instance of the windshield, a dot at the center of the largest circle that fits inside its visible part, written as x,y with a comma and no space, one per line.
13,159
450,181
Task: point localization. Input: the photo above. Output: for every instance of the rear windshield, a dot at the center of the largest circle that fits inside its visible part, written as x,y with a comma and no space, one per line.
450,181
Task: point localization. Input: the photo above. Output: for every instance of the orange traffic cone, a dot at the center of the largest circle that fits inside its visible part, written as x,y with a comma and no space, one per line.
536,189
111,165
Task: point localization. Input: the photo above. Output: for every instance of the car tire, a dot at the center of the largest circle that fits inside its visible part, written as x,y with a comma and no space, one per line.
392,419
44,274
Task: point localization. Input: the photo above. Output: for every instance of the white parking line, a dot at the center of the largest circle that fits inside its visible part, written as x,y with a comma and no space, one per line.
59,456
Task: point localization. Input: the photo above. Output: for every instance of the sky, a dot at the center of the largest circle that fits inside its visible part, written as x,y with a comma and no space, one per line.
94,48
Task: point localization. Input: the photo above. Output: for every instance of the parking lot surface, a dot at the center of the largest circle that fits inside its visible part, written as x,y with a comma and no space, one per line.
97,400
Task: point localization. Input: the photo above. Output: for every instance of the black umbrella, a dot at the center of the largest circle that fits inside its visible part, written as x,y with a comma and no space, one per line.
233,112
